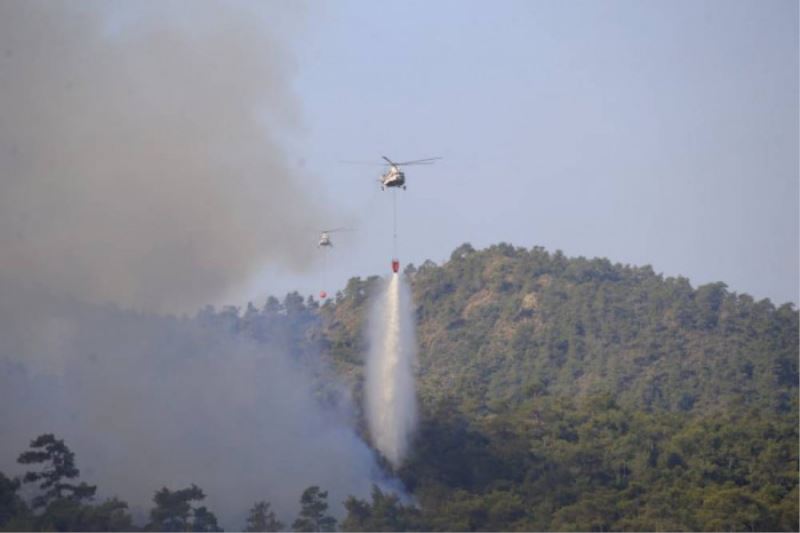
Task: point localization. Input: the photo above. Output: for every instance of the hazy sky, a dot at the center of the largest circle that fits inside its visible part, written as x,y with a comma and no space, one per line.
164,155
662,133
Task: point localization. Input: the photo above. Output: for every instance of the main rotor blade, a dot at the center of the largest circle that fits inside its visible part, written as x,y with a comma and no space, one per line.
428,161
388,160
365,163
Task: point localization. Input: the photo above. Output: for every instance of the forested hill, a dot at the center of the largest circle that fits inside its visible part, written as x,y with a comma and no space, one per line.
556,394
566,393
505,325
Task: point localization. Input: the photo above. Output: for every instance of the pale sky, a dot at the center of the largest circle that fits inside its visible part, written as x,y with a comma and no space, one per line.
661,133
163,154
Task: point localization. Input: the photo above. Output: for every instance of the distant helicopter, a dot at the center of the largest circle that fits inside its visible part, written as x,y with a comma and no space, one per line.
325,238
395,177
325,242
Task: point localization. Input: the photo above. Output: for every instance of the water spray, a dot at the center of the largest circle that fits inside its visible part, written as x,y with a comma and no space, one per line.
390,394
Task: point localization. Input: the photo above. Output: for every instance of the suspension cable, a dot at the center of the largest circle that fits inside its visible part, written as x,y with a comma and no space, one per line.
394,224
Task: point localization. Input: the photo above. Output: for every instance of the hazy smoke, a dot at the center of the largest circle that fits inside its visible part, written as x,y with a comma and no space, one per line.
138,153
147,401
139,164
390,396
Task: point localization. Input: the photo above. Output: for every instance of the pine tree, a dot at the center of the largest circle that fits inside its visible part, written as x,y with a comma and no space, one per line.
58,465
312,513
173,511
262,518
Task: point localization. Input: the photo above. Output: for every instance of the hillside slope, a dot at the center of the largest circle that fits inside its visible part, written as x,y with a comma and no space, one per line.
556,394
502,325
564,393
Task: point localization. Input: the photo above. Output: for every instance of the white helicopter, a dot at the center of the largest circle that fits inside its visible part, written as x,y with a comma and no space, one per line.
325,238
394,177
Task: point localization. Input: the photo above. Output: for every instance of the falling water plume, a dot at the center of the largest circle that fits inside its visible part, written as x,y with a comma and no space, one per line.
391,401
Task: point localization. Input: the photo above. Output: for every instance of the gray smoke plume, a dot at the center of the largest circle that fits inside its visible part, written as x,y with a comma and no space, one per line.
147,401
139,165
390,393
139,160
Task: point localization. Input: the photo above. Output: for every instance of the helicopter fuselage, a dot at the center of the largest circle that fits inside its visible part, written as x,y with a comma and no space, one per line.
394,178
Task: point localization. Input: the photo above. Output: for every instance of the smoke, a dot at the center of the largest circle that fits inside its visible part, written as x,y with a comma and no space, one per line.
140,164
147,401
140,160
390,396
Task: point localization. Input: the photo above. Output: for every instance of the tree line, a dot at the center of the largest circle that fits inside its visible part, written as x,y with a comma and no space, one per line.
556,394
62,503
564,394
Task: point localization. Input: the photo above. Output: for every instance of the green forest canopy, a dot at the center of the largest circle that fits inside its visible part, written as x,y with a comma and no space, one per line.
556,394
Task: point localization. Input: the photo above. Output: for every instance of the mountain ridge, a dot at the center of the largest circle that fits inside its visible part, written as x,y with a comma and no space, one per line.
577,326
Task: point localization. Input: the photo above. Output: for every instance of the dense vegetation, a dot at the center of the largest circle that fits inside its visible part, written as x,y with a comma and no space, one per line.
575,394
555,394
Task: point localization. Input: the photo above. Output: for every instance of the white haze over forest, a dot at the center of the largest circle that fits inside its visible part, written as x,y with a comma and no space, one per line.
147,401
141,171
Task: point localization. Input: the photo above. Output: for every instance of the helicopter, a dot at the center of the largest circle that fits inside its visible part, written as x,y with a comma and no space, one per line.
394,177
325,243
325,238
